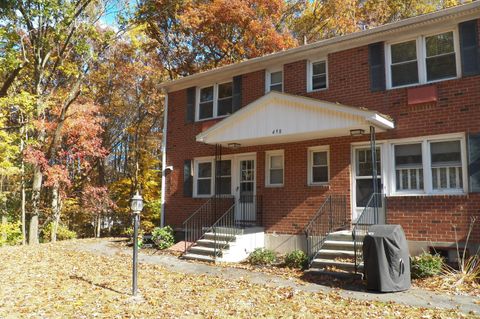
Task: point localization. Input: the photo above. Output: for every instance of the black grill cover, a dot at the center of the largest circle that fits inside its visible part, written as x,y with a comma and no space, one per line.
386,259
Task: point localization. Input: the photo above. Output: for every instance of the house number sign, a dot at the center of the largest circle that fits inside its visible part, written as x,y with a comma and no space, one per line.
277,131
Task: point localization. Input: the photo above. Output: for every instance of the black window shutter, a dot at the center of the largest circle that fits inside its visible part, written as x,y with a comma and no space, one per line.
376,61
187,178
474,162
237,93
190,112
469,48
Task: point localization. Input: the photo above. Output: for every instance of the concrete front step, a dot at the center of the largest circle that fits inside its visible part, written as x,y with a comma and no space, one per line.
211,243
327,264
219,237
335,253
337,274
204,251
340,245
192,256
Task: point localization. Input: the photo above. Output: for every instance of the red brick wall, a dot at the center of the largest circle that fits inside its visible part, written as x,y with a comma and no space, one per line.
288,209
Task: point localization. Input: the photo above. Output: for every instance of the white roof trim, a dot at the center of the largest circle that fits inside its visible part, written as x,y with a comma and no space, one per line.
252,121
456,14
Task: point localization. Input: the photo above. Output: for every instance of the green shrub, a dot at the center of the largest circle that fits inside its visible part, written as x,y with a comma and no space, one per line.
426,265
10,233
296,259
63,233
163,237
262,256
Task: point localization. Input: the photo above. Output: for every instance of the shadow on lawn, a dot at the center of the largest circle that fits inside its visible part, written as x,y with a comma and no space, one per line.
342,281
96,285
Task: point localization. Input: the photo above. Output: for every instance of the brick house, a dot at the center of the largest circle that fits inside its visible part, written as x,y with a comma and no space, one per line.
281,147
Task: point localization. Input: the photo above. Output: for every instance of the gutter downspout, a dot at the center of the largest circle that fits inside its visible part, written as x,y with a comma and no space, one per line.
164,161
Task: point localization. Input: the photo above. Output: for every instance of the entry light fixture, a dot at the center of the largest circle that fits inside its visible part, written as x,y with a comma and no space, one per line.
357,132
233,145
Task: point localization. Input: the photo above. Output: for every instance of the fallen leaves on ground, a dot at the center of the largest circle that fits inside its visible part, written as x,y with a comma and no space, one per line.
450,284
54,281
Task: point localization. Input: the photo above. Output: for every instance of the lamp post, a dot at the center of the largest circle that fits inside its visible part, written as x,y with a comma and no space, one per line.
136,205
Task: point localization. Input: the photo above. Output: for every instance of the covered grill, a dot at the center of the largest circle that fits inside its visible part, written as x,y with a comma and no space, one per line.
386,259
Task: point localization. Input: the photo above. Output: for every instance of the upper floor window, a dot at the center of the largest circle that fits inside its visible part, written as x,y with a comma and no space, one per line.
275,81
214,101
424,59
317,75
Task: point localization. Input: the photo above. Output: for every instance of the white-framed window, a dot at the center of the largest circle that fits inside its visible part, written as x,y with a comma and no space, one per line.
432,165
205,181
274,81
317,75
318,165
274,168
424,59
408,167
203,174
214,101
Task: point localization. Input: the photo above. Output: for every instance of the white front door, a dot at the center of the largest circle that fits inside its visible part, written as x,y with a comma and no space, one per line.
363,181
245,190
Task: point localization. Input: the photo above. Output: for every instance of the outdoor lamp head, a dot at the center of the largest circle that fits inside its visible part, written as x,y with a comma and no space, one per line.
137,203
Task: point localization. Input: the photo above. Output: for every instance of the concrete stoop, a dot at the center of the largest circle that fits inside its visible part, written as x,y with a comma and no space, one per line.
336,257
229,248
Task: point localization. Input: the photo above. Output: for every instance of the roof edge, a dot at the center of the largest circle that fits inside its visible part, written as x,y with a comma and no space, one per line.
462,10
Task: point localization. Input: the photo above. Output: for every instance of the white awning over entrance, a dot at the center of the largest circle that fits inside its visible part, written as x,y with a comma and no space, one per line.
283,118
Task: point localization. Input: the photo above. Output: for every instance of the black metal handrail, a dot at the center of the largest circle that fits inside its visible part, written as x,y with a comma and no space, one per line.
331,216
374,213
200,222
245,212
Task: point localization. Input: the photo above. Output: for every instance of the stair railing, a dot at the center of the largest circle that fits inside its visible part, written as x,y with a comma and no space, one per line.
331,216
374,213
200,222
245,212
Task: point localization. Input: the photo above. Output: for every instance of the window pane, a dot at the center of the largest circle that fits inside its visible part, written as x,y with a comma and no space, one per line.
406,51
364,162
319,68
405,73
277,87
276,77
364,190
320,174
441,67
319,82
206,110
206,94
225,90
320,158
439,44
276,161
204,170
276,176
408,155
445,153
224,185
224,168
225,106
203,186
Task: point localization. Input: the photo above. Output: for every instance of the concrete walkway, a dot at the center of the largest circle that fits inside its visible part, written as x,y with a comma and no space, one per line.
414,297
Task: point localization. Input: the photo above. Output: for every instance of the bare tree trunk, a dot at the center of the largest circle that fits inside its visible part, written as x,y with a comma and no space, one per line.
36,188
99,226
22,147
56,213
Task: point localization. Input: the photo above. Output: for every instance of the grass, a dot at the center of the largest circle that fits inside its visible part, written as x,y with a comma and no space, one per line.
54,281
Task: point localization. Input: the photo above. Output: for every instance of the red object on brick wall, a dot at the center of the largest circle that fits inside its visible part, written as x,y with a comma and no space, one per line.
423,94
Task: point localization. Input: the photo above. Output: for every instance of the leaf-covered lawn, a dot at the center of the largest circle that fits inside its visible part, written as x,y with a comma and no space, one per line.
53,281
